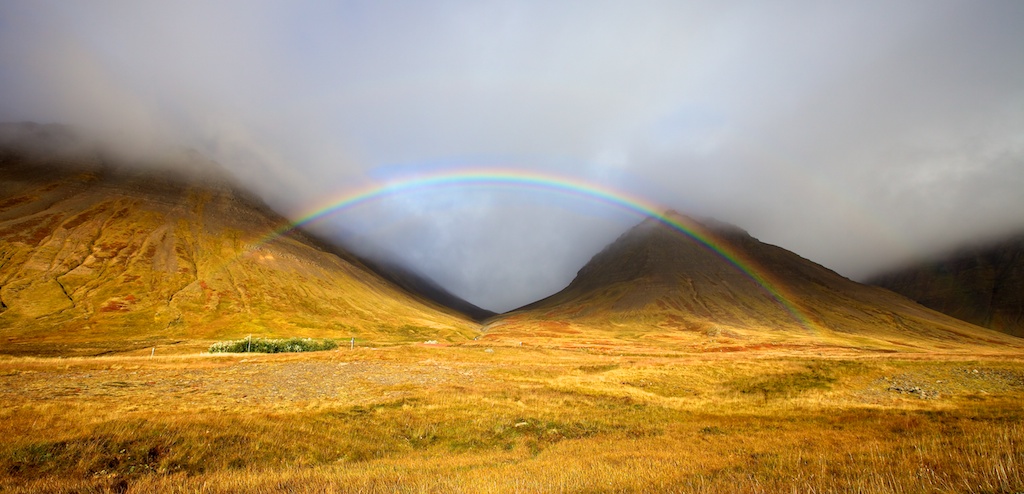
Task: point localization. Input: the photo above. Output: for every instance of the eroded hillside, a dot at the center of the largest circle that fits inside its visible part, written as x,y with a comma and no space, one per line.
94,259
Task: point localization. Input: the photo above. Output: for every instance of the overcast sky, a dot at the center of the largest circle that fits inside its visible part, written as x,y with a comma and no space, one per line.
858,134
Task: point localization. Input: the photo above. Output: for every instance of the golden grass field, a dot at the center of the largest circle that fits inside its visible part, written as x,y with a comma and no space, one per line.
479,418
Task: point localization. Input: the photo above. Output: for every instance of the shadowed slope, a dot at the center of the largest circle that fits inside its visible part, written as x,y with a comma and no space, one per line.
982,285
427,288
93,259
658,285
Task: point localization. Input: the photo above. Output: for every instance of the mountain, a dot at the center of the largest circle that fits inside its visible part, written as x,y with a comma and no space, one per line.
983,285
420,285
660,286
97,257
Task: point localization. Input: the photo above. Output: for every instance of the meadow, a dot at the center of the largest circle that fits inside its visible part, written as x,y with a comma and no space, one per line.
487,418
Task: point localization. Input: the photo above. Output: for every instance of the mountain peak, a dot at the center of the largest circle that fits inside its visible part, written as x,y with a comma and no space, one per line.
706,228
654,257
667,279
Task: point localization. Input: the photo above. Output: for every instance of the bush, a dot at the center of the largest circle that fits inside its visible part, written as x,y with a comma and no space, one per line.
265,345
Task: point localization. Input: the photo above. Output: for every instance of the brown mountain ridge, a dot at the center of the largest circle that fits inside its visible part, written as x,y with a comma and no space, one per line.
983,284
658,285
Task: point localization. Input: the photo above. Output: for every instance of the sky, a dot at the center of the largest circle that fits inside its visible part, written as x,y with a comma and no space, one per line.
861,135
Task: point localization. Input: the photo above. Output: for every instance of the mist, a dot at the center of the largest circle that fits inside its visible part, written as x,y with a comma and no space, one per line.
860,135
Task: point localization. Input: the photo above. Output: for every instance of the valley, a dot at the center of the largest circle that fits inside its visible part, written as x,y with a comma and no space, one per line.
686,356
463,247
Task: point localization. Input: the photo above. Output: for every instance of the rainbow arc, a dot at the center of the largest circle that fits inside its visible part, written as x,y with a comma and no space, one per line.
548,183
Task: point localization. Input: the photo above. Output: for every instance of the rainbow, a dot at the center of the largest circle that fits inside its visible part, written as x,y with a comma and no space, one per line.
552,184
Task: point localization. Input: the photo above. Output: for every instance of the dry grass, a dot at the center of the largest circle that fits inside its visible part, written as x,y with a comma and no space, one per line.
513,419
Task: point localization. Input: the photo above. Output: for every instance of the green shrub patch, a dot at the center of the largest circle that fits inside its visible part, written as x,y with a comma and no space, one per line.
266,345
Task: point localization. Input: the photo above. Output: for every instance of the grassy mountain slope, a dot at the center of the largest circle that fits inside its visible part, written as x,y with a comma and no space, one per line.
982,285
658,286
94,259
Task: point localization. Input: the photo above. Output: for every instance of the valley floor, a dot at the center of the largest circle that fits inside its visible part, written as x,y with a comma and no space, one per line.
421,418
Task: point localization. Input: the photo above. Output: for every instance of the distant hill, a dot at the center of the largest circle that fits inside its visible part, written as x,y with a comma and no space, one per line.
655,284
983,285
97,257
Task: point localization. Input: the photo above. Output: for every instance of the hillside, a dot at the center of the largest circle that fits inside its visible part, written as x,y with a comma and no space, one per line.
656,285
425,287
96,258
983,285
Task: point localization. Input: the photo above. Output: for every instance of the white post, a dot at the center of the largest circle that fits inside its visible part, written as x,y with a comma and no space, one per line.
152,353
248,344
353,347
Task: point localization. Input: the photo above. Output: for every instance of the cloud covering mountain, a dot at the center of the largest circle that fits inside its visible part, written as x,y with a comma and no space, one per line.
860,135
